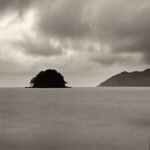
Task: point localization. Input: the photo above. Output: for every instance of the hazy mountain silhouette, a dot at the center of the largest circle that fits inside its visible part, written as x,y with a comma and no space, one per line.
129,79
48,79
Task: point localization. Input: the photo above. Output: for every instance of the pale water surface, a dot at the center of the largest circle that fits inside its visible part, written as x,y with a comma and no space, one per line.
75,119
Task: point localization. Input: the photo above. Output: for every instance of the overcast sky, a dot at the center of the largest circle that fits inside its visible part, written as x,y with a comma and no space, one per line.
86,40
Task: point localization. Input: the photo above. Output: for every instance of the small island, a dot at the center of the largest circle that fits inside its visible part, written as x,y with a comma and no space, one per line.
129,79
48,79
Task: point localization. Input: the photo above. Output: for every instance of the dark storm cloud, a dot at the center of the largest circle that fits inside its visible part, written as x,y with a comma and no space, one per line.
41,47
117,58
8,6
64,19
122,25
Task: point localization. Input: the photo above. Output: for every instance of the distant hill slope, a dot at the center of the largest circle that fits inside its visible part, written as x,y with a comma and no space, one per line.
130,79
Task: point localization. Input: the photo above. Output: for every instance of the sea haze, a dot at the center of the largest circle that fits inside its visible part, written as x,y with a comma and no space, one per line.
75,119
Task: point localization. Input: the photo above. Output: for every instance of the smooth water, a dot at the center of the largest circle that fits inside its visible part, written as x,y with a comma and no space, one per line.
75,119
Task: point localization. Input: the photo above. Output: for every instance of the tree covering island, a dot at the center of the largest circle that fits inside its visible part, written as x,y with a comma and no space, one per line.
48,79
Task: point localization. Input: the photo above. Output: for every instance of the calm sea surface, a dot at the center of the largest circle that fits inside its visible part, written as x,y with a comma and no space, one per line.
75,119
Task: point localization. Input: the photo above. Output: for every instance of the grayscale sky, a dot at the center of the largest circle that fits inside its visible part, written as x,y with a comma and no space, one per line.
86,40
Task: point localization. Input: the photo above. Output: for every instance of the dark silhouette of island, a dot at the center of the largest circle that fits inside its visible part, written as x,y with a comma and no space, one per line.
129,79
48,79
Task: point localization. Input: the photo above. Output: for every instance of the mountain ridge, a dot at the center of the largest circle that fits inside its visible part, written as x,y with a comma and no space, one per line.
131,79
